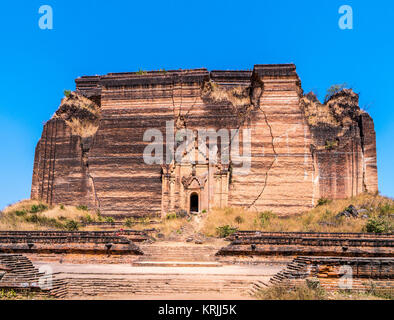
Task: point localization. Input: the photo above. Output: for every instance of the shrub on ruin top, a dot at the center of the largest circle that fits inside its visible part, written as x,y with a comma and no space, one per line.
304,291
32,218
43,221
330,144
82,207
7,294
20,213
109,219
229,211
323,201
129,222
225,231
71,225
386,209
372,289
333,90
171,216
238,219
87,219
181,213
36,208
382,221
265,217
379,225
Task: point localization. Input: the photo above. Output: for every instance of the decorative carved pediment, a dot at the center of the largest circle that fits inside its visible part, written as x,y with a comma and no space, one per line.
193,182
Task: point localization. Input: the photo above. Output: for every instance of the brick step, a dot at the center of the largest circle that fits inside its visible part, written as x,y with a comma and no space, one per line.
162,285
158,291
23,272
179,254
186,252
256,287
176,264
175,259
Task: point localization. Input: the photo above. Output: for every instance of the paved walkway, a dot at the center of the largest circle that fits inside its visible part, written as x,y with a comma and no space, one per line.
167,283
121,269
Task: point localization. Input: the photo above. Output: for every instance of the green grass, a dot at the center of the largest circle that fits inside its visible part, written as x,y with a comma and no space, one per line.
24,294
67,93
71,225
109,219
44,221
334,89
38,208
34,215
171,216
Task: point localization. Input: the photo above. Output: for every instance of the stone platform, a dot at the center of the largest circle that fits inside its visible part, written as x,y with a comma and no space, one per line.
131,282
309,244
167,270
72,243
187,270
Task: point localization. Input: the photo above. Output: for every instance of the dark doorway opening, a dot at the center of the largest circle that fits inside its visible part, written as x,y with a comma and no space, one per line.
194,202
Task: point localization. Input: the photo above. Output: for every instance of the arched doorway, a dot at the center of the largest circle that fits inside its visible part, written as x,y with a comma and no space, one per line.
194,202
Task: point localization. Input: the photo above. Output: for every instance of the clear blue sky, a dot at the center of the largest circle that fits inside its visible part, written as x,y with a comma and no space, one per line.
97,37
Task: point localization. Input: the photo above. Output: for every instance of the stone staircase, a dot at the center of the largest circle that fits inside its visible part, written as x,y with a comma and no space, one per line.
167,269
256,287
294,270
21,275
160,285
366,273
193,254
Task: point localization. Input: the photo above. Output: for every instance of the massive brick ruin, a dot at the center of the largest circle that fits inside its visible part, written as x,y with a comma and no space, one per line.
91,151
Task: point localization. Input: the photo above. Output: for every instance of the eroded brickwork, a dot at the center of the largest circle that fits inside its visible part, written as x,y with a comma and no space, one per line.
338,273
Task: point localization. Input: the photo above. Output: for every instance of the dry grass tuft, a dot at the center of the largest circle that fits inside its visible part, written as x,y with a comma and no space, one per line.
305,292
320,219
36,215
169,226
228,216
285,292
68,212
21,205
